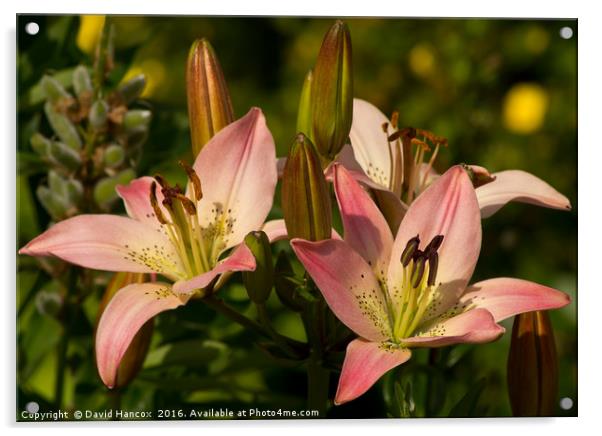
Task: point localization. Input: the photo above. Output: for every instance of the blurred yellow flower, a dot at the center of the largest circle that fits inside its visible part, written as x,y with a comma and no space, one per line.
90,28
536,40
154,72
422,60
525,107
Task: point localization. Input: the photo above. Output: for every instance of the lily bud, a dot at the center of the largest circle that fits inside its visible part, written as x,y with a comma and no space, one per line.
332,92
209,105
53,90
132,360
132,89
533,366
305,197
82,83
259,282
99,112
63,127
304,119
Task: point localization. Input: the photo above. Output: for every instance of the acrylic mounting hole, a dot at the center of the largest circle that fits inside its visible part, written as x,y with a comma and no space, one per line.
32,28
566,33
566,403
32,407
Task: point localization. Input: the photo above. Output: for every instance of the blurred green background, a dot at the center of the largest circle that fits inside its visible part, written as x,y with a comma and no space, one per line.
502,91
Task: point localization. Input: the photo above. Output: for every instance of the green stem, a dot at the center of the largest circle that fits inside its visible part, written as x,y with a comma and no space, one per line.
317,376
317,385
280,340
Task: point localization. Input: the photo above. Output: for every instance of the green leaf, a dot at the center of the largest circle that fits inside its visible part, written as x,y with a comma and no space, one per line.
192,352
467,406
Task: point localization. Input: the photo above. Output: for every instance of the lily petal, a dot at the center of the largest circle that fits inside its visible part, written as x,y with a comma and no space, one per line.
505,297
370,145
366,230
136,198
448,207
237,169
125,314
241,259
109,243
348,284
516,185
366,362
476,326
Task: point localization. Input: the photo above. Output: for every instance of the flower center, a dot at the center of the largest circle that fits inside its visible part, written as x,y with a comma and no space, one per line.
183,227
418,285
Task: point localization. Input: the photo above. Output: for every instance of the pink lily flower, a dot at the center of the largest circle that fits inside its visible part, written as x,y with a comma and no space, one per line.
378,163
411,291
178,235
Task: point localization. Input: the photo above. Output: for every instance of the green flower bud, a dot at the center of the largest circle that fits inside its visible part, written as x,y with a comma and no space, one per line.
305,196
40,144
64,156
132,89
114,155
75,191
63,127
104,191
332,92
53,90
54,204
134,357
99,112
82,83
209,105
533,366
259,282
304,119
57,184
136,119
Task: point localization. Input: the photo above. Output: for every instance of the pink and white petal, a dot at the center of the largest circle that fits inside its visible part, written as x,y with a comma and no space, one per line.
241,259
448,207
366,362
237,168
476,326
366,230
505,297
371,147
136,198
110,243
348,284
516,185
125,314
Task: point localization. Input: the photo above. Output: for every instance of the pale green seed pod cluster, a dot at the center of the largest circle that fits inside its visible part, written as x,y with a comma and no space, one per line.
93,144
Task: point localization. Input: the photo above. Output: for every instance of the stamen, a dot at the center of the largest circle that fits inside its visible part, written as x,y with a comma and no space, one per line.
418,270
194,179
155,204
434,245
187,203
433,260
408,252
161,180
